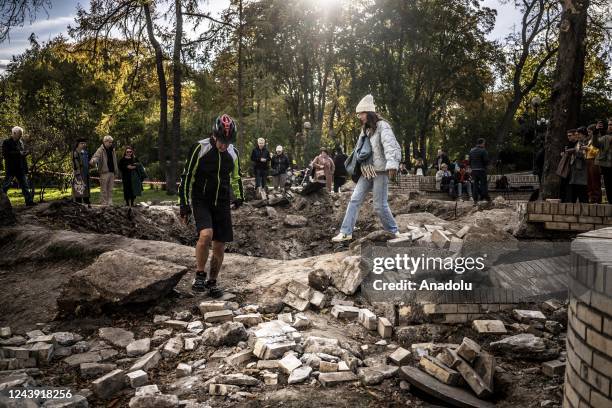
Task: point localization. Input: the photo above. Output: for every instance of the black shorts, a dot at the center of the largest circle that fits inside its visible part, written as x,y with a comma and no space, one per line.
217,218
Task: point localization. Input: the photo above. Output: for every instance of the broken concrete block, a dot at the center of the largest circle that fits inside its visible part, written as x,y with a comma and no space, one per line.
137,378
331,379
240,358
523,345
267,364
173,347
299,289
385,329
116,336
228,334
296,302
527,315
211,306
328,367
439,238
42,352
285,317
342,366
195,327
317,299
376,375
468,349
553,368
154,400
218,316
551,305
484,365
237,379
94,370
368,319
345,312
151,389
176,324
439,370
267,349
299,375
183,370
301,321
471,377
399,357
222,389
252,319
463,231
5,332
109,384
350,276
147,362
416,234
489,326
289,363
138,347
270,378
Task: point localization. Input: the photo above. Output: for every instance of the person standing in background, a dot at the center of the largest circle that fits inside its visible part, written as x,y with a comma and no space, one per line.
280,165
80,167
593,170
340,173
105,159
132,176
260,156
16,165
479,160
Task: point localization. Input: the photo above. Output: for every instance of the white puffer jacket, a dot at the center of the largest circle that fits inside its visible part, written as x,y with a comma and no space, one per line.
386,151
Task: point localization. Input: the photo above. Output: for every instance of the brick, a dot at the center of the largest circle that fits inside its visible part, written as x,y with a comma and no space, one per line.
588,316
368,319
270,378
439,370
565,218
599,342
399,357
582,388
454,318
385,328
590,220
345,312
582,350
183,370
600,401
553,368
607,220
137,378
211,306
468,308
581,227
433,308
108,385
577,325
240,357
289,363
147,362
468,349
601,303
571,395
296,302
330,379
222,389
328,367
593,210
607,326
597,380
602,363
173,347
560,226
218,316
540,217
527,315
489,326
493,307
317,299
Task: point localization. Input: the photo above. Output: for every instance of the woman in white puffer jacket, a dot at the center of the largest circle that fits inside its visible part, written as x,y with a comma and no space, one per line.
386,157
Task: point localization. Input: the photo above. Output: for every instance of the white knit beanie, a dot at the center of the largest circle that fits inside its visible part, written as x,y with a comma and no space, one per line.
279,149
366,105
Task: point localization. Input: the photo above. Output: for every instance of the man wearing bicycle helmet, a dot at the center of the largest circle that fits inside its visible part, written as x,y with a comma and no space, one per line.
210,184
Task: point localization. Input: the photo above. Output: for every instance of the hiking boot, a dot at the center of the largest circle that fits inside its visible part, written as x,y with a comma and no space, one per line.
342,237
214,291
200,283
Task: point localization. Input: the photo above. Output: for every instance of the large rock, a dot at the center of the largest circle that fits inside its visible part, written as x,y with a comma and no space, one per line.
524,346
295,221
6,211
118,278
350,275
228,334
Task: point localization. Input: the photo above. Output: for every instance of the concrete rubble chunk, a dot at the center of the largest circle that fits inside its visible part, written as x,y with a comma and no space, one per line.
237,379
350,275
440,239
228,334
273,328
212,306
251,319
551,305
489,326
67,338
272,349
267,364
368,319
525,346
109,384
270,378
299,375
468,349
299,289
345,312
342,366
151,389
138,347
195,327
183,370
328,367
463,231
385,329
5,332
43,352
222,389
471,377
176,324
154,401
116,336
331,379
173,347
400,356
317,299
285,317
147,362
376,375
138,378
296,302
218,316
553,368
301,321
94,370
289,363
113,281
439,370
240,358
528,315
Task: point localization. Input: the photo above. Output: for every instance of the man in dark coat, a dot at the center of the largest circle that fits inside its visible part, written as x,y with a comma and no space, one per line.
340,173
260,156
479,160
15,164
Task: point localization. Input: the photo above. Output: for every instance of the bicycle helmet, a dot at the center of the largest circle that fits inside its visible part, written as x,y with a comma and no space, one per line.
224,129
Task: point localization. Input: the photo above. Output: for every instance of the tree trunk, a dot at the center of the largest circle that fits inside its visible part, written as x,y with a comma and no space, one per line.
506,123
566,94
240,142
162,131
177,99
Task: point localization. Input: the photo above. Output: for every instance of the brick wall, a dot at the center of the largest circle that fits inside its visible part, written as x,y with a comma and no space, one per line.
411,182
570,217
588,374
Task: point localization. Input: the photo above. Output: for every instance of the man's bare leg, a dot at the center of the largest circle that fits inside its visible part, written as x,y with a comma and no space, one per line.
202,249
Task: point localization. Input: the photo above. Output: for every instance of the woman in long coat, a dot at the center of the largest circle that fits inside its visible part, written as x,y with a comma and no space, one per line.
80,168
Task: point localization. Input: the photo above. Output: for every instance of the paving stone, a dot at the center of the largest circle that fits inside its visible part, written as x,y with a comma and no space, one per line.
553,368
267,364
385,329
376,375
489,326
400,356
212,306
137,378
527,315
289,363
368,319
299,375
317,299
116,336
240,358
183,370
109,384
439,370
94,370
147,362
173,347
218,316
331,379
138,347
296,302
328,367
468,349
345,312
237,379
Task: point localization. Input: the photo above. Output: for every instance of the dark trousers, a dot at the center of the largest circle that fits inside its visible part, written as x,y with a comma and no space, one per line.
578,192
338,182
564,190
607,176
594,182
82,200
260,177
22,179
481,187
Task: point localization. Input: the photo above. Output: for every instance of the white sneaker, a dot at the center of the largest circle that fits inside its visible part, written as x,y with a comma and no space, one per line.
398,234
342,237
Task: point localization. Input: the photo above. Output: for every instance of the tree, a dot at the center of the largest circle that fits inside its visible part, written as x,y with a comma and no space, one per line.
566,95
14,13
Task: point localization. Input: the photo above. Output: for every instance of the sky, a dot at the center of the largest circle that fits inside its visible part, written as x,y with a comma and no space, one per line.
56,20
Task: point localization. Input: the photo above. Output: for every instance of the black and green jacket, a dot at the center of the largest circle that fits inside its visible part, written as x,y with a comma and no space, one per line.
210,176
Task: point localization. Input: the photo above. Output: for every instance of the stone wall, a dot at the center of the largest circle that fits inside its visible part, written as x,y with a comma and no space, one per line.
570,216
588,374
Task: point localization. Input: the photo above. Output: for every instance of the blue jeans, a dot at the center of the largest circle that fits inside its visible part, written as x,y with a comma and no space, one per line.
22,179
380,188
